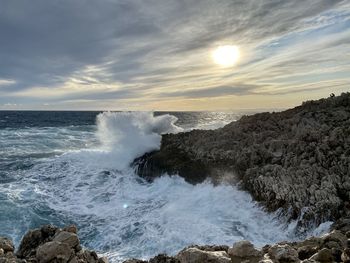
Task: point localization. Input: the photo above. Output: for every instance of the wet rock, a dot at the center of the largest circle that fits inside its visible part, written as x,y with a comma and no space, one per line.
164,259
244,251
345,256
134,261
34,238
71,229
283,253
53,250
6,244
334,239
324,255
306,252
195,255
69,238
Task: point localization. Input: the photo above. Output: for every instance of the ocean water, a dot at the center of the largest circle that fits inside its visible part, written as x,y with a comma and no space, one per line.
74,168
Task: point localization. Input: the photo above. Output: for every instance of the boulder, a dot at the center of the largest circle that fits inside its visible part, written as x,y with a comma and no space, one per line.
334,239
306,252
164,259
71,229
195,255
53,250
283,253
69,238
244,251
324,255
345,256
6,244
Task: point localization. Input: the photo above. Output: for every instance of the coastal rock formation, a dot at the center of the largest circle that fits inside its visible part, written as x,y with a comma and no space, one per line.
48,244
297,160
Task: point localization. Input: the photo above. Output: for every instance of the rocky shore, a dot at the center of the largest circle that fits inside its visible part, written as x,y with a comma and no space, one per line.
50,244
297,161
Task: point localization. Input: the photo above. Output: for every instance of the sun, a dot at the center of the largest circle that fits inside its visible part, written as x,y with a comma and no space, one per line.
226,56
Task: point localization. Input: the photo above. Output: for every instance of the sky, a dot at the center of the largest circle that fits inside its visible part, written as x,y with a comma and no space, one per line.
157,54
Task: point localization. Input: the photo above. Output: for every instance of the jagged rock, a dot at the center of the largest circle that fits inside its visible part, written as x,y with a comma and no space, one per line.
134,261
54,250
334,239
34,238
195,255
2,252
283,253
306,252
6,244
164,259
71,229
345,256
244,251
69,238
296,160
212,247
324,255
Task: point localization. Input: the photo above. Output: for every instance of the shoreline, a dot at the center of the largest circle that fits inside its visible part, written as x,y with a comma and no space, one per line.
50,244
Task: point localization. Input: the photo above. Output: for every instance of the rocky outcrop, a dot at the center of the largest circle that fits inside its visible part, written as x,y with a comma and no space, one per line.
48,244
332,247
297,160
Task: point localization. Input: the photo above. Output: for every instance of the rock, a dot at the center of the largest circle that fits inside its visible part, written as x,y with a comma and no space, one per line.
295,159
6,244
87,256
334,239
53,250
69,238
103,260
345,256
2,252
164,259
324,255
134,261
283,253
34,238
244,250
306,252
71,229
194,255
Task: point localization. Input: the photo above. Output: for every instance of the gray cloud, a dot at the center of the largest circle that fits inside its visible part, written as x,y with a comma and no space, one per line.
150,44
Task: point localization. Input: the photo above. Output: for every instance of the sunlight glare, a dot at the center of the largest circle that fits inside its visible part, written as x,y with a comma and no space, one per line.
226,56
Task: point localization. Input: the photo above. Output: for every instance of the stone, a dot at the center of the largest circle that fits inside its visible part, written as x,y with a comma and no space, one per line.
306,252
244,250
134,261
2,252
6,244
283,253
336,236
71,229
345,256
324,255
69,238
164,259
194,255
53,250
30,241
103,260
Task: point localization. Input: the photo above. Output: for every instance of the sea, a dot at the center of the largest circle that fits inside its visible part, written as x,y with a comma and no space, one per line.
62,168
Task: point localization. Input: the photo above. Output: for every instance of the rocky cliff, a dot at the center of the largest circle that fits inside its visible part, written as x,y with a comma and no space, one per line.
297,160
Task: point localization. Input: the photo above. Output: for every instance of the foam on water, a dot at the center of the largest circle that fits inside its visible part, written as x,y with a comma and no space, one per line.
120,214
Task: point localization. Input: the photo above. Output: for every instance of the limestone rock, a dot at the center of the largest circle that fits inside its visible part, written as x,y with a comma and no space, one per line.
67,237
244,251
195,255
53,250
345,256
6,244
283,253
324,255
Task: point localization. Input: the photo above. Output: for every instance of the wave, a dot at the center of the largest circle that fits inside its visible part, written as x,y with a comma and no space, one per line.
123,216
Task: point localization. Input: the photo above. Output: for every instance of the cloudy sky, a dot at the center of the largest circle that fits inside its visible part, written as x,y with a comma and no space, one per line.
157,54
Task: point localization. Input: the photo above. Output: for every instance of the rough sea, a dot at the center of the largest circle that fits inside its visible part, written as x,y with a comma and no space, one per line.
74,168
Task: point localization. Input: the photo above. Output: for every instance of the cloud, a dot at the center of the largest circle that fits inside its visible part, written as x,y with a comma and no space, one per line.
100,50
